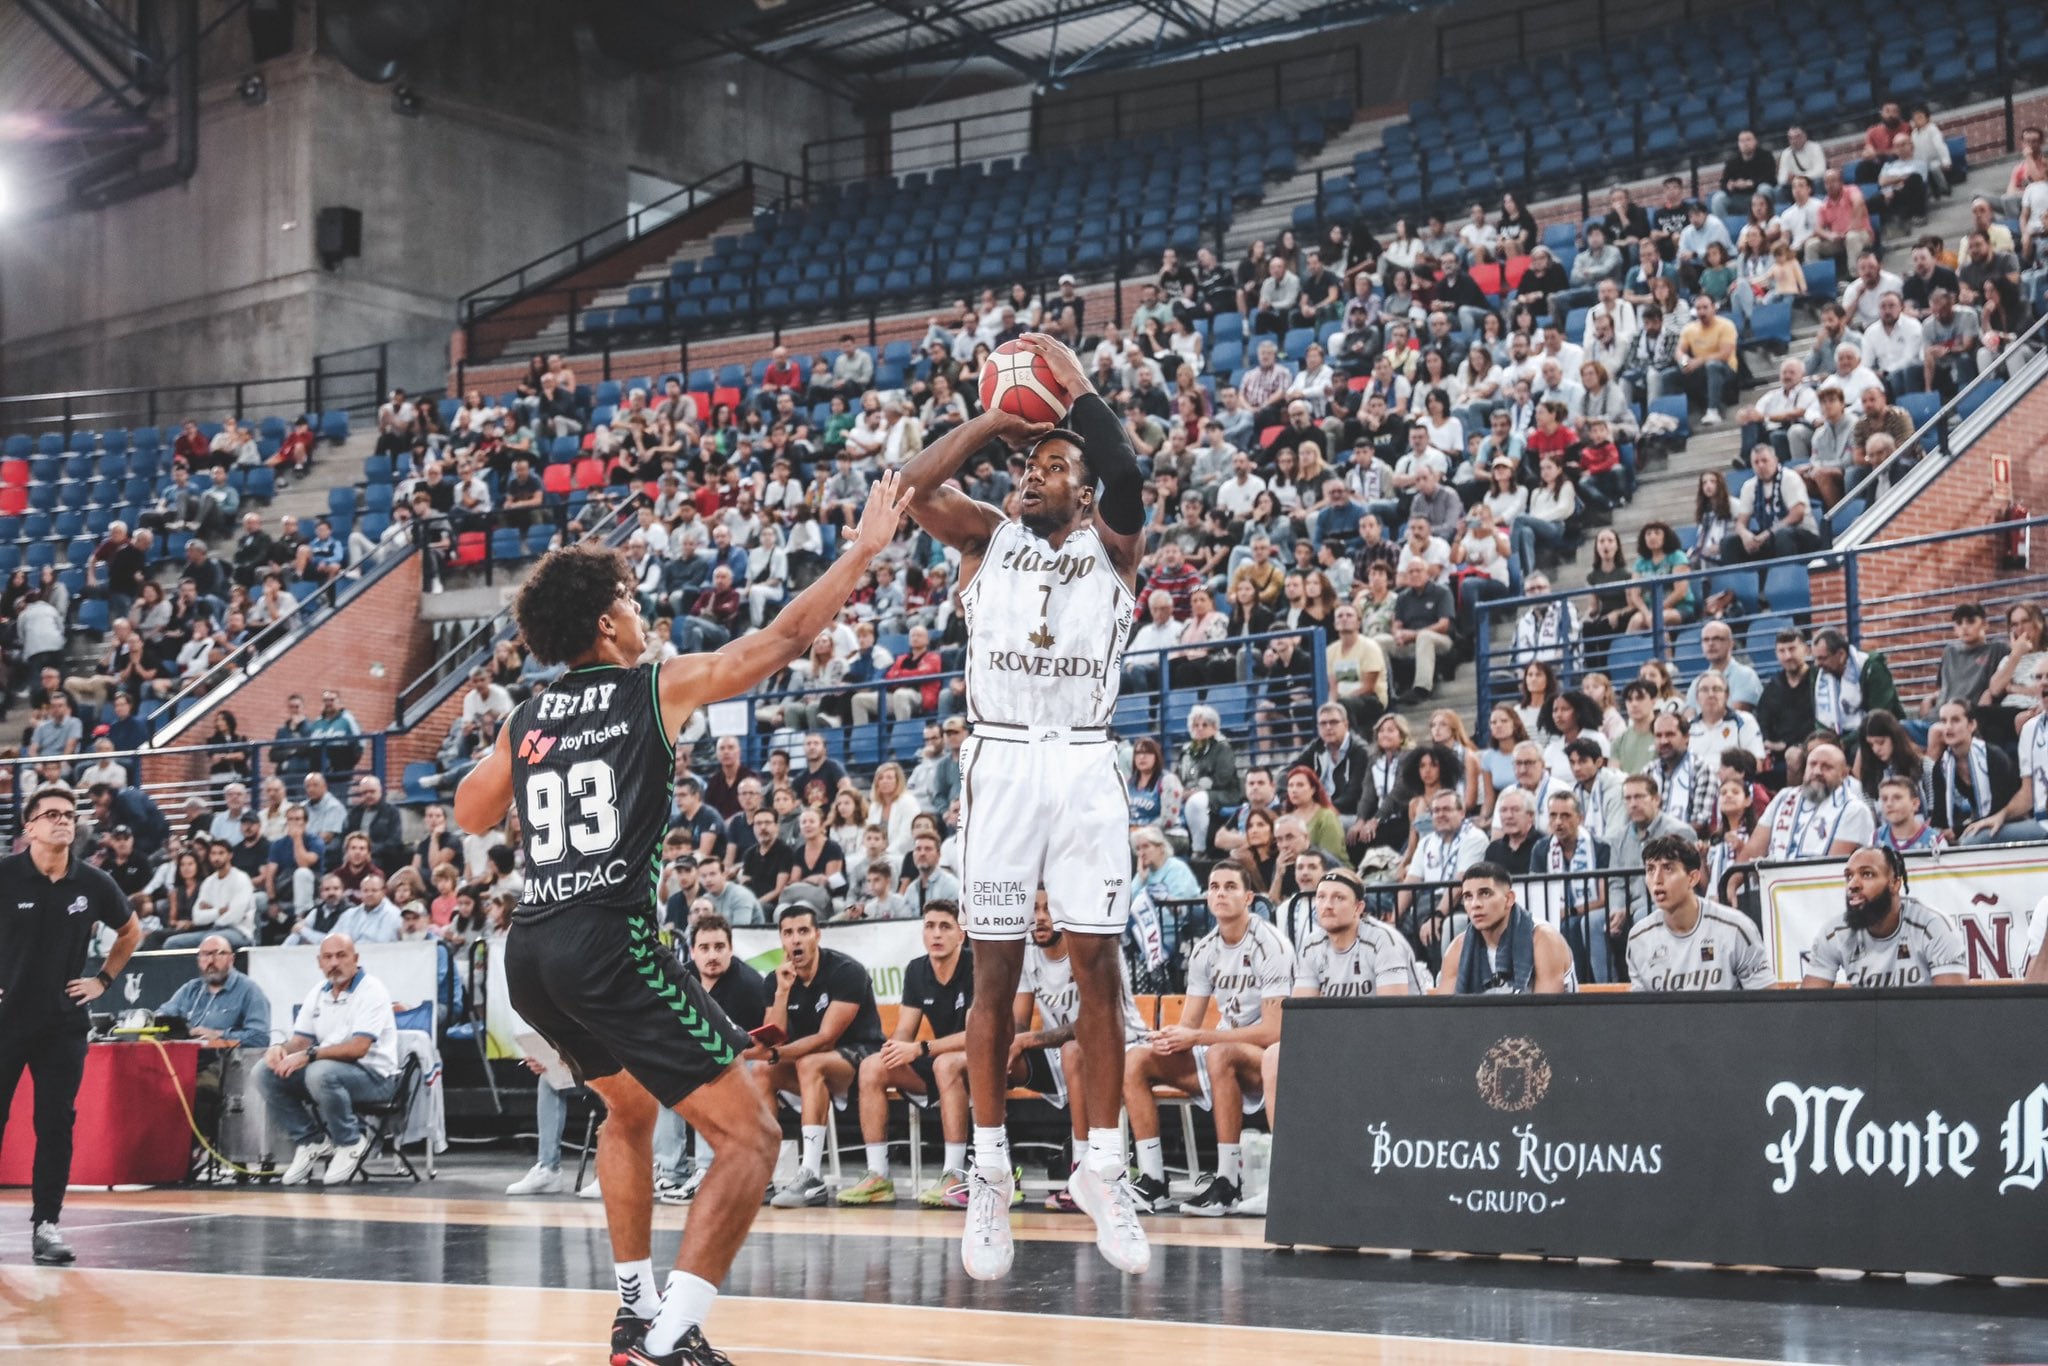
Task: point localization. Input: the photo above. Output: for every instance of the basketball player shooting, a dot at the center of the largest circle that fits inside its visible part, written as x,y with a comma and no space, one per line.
1048,598
591,764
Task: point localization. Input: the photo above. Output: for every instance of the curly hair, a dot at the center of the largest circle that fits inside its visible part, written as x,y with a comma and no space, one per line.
558,606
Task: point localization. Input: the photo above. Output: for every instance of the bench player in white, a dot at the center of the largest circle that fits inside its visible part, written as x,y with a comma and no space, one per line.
1246,966
1354,955
1884,938
1691,943
1048,599
1043,1058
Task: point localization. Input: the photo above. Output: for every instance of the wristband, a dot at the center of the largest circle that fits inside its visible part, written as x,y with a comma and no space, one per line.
102,978
924,1049
774,1056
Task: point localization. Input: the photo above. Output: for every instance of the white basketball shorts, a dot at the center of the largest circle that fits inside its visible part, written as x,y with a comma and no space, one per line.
1043,806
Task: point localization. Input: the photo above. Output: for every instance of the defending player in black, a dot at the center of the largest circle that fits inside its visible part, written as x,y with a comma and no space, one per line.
590,763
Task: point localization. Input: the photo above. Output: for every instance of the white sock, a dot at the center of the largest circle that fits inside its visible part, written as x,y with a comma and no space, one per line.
1229,1161
1106,1154
1151,1158
813,1160
636,1286
878,1158
686,1304
956,1157
992,1148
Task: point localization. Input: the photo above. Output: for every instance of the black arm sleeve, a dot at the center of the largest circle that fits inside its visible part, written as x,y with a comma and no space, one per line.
1107,448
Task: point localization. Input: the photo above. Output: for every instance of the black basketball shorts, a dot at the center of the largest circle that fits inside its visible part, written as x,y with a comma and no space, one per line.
597,984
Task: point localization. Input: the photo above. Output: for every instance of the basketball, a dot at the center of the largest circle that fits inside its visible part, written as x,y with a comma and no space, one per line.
1020,381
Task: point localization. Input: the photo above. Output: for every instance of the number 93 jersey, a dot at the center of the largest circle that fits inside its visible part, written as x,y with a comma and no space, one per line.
593,772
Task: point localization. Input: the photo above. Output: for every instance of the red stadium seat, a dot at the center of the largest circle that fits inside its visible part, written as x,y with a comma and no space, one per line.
726,395
470,548
555,479
14,473
703,402
1266,434
13,500
590,473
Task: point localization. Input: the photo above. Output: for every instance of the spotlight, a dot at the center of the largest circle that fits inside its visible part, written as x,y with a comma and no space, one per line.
406,101
253,90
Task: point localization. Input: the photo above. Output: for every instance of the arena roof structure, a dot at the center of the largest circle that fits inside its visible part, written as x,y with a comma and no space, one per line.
1043,41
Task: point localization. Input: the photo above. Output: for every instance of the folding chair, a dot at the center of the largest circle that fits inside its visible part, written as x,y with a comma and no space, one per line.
385,1121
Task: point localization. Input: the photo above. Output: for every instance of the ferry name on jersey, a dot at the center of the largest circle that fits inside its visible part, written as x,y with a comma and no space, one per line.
559,703
1029,559
1354,983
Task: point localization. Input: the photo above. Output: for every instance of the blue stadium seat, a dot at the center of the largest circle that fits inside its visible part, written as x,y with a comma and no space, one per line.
505,544
261,483
1920,407
92,615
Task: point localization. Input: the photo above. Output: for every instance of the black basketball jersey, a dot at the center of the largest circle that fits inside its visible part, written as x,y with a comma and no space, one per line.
593,772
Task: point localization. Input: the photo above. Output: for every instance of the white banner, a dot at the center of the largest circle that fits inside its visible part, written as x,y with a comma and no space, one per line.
1989,892
883,947
287,973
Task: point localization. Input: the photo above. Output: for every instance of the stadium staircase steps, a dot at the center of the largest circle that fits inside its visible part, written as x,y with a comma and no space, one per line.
1266,219
555,336
1664,493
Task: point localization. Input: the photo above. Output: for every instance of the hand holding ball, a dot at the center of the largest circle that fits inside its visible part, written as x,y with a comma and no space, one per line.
1019,381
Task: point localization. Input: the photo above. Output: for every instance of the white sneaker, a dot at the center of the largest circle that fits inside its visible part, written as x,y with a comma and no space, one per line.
346,1160
590,1192
1119,1237
301,1169
1711,418
1254,1204
540,1181
985,1246
694,1184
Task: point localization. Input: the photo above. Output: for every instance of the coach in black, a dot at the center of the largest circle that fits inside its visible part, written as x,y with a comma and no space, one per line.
54,902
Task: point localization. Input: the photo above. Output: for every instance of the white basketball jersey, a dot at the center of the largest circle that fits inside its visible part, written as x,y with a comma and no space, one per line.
1051,982
1045,631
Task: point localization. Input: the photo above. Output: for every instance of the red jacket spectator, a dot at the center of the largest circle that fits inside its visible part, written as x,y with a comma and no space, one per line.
193,448
913,665
1179,581
782,375
1599,457
1556,441
296,449
719,605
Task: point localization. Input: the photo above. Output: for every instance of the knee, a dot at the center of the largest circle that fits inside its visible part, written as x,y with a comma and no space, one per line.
950,1068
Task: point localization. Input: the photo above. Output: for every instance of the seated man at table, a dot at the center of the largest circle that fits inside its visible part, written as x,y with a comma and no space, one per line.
1505,950
343,1049
1247,968
224,1010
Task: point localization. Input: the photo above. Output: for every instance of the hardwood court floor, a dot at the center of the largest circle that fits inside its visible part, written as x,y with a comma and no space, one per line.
454,1273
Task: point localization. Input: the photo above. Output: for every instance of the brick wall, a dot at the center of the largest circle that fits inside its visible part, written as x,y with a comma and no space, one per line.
367,651
1895,581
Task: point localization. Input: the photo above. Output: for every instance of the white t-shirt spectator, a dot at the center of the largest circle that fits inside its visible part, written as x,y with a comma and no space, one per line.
227,901
1237,498
363,1007
1897,349
495,701
1434,558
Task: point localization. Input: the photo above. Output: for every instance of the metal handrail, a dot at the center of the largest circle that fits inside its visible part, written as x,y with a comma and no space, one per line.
1663,636
252,655
1913,448
421,695
579,248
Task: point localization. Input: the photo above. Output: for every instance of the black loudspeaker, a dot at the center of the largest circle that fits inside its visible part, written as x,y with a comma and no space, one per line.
339,234
271,29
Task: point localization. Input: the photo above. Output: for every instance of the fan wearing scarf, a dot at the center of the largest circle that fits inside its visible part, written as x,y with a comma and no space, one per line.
1821,818
1550,633
1506,950
1576,905
1848,685
1884,938
2025,815
1971,779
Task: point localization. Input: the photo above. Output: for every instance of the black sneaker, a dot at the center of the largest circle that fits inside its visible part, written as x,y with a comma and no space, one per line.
1152,1193
1218,1198
693,1350
628,1329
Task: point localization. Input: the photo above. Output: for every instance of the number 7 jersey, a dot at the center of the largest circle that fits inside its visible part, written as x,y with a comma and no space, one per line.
593,773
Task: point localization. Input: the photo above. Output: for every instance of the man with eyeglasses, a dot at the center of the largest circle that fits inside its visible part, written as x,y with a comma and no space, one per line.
224,1010
55,904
